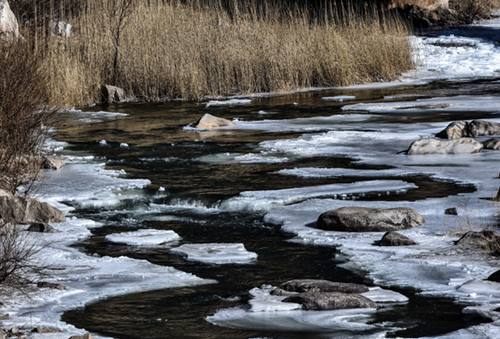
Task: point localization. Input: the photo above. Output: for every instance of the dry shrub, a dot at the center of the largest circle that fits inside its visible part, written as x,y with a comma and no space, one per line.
469,11
169,49
22,118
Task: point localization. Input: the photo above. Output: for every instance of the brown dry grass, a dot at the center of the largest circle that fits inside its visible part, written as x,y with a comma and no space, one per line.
171,50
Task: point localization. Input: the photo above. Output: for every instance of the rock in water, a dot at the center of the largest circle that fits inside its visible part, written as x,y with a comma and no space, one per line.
488,241
113,94
495,277
362,219
318,301
479,128
451,211
493,144
395,239
41,228
52,163
9,28
438,146
208,121
24,210
309,285
455,130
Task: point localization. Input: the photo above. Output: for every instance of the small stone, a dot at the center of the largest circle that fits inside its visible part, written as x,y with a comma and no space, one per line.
451,211
395,239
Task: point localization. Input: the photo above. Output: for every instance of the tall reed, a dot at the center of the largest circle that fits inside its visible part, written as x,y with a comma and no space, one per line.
191,49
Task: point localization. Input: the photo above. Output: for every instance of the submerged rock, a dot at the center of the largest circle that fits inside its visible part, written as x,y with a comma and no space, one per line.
493,144
451,211
479,128
494,276
113,94
310,285
395,239
25,210
455,130
9,27
209,121
439,146
362,219
488,241
323,301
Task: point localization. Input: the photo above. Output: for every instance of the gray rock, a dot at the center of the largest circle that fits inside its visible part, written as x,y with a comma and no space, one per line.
451,211
497,198
9,27
395,239
40,227
46,284
45,329
85,336
25,210
362,219
52,163
455,130
209,121
488,241
113,94
479,128
439,146
495,276
323,301
493,144
309,285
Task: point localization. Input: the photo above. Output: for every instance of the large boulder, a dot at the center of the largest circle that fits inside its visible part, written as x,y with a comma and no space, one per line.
314,285
479,128
395,239
208,121
362,219
493,144
9,27
25,210
323,301
438,146
455,130
488,241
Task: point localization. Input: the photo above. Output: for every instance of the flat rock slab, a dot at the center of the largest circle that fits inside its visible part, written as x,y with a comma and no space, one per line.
395,239
440,146
308,285
362,219
324,301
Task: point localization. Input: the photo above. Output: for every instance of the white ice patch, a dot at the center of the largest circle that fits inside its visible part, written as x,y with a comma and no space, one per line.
230,102
313,172
238,158
463,103
340,98
380,295
218,254
146,237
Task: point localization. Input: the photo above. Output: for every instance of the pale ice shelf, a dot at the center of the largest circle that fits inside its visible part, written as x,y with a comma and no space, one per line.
216,253
229,102
145,237
339,98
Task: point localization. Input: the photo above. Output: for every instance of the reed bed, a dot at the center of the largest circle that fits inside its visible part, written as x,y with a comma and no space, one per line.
172,49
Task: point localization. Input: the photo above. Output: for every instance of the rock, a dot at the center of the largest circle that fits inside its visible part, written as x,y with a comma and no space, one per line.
46,329
494,276
429,5
9,27
395,239
40,227
451,211
52,163
310,285
46,284
25,210
323,301
455,130
208,121
3,335
85,336
362,219
62,29
497,198
438,146
488,241
113,94
479,128
493,144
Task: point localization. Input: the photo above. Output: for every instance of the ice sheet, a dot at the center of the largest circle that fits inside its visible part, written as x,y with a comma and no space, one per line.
217,253
145,237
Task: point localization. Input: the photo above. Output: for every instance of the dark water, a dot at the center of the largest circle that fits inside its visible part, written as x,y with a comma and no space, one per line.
156,132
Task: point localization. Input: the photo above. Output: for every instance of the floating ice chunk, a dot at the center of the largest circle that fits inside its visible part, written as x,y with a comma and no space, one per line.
216,253
124,145
339,98
146,237
380,295
103,142
311,172
230,102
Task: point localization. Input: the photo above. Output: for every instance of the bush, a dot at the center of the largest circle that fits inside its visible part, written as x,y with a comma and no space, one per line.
469,11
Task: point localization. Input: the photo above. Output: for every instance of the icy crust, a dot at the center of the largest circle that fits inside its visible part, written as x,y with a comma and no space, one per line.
340,98
268,312
217,253
230,102
146,237
462,103
85,278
